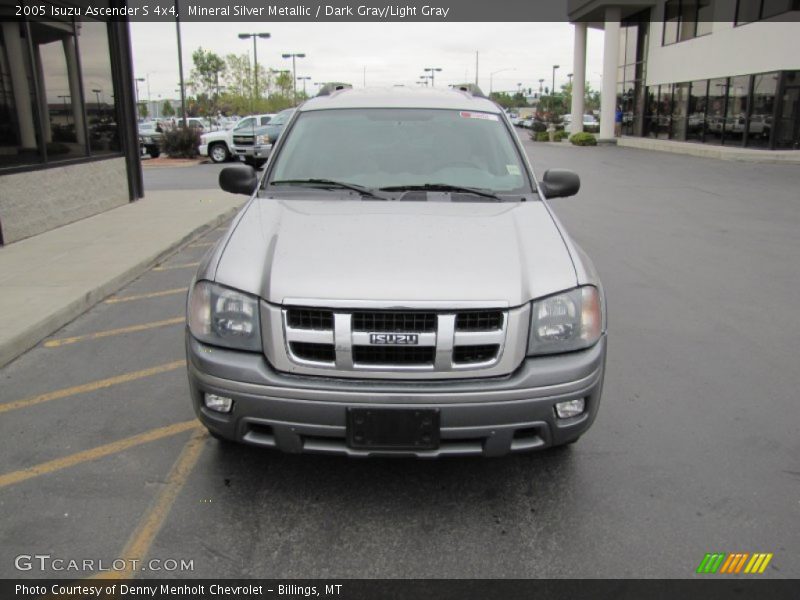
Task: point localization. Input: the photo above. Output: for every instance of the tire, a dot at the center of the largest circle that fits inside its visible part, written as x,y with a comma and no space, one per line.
154,152
218,153
260,164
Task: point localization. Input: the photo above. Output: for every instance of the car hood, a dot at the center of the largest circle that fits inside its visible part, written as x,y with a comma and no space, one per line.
397,252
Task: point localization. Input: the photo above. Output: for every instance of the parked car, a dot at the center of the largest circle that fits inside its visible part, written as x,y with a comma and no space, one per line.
150,138
591,124
397,285
253,145
217,145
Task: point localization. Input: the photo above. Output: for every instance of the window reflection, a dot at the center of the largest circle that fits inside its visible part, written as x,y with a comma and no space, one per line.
736,116
680,106
98,87
765,87
56,66
715,119
696,122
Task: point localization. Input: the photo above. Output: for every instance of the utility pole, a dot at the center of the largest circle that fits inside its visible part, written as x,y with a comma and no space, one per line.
433,71
293,56
255,36
180,61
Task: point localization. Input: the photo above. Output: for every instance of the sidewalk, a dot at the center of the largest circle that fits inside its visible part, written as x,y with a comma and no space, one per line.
49,279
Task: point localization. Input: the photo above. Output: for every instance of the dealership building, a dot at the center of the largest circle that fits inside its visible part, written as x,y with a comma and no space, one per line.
721,73
68,141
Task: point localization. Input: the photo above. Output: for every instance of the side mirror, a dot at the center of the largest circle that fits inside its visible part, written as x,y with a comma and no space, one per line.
560,183
241,179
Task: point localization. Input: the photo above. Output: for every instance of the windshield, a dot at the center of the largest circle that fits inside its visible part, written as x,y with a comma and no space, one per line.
379,148
281,117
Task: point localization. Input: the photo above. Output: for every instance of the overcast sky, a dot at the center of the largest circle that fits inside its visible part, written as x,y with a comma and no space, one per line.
393,53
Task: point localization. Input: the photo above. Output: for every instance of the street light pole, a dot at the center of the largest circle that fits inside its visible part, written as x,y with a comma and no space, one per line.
293,56
304,79
255,36
491,77
553,89
433,71
541,81
136,81
180,62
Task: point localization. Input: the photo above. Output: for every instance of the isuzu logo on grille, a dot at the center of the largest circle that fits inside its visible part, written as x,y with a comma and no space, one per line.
394,339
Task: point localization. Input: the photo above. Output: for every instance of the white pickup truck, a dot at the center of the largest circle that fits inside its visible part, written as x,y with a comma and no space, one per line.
217,144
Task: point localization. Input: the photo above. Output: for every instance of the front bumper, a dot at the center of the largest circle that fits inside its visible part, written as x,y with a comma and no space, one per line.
203,149
253,151
489,417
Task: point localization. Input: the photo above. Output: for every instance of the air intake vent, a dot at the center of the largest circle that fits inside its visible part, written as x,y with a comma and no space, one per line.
309,318
394,321
313,352
475,354
393,355
479,320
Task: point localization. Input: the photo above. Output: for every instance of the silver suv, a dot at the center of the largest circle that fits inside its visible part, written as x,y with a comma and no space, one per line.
397,285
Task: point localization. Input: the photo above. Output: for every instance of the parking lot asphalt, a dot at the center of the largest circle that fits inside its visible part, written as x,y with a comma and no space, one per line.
696,447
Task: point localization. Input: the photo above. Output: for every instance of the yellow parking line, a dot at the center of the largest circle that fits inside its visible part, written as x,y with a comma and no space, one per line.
171,267
95,453
110,332
142,538
91,386
117,299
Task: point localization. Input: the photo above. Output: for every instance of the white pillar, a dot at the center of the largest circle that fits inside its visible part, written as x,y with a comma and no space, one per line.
19,83
74,87
608,95
578,78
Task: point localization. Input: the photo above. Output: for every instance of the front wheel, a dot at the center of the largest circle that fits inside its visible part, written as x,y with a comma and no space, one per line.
219,153
154,152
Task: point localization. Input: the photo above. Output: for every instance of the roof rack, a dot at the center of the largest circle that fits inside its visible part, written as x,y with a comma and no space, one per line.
469,88
329,88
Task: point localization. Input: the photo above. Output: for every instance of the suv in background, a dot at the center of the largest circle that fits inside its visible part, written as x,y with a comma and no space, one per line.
397,285
150,138
254,144
217,145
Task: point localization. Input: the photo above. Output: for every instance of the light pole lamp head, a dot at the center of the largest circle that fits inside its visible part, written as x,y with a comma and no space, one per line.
556,66
264,36
244,36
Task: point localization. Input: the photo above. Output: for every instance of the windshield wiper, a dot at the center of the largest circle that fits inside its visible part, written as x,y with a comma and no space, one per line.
331,184
441,187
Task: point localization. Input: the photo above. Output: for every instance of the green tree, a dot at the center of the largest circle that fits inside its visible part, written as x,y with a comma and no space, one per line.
167,109
206,75
143,112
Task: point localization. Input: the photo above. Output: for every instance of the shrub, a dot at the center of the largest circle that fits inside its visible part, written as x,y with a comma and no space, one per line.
561,134
538,126
540,136
181,142
583,139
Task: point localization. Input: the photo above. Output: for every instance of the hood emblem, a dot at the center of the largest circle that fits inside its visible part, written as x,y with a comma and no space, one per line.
394,339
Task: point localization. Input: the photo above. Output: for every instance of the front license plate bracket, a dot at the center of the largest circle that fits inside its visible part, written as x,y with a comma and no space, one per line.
393,428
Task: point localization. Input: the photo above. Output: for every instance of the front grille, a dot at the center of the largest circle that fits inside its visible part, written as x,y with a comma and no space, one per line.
313,352
475,354
479,320
243,140
390,321
309,318
342,340
393,355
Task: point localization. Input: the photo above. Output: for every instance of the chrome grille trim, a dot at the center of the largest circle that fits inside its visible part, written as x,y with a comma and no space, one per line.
510,340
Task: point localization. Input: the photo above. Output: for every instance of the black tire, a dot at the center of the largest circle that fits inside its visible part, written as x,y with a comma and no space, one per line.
154,152
218,152
260,164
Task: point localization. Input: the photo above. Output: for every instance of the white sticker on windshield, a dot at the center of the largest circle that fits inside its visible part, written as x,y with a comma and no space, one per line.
474,115
513,169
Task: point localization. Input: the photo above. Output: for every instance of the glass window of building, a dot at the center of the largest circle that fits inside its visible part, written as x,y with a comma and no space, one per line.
98,87
765,88
60,106
787,134
715,115
672,16
705,16
664,121
680,108
19,138
736,114
696,118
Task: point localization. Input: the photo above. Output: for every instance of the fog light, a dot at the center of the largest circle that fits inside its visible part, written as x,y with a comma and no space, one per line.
571,408
219,403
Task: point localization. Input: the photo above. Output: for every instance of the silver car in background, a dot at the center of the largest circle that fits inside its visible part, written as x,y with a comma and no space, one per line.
397,285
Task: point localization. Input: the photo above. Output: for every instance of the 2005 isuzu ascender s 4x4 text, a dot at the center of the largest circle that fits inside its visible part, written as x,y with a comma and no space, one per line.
397,285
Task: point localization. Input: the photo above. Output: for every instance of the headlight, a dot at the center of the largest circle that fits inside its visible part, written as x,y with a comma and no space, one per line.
262,140
224,317
564,322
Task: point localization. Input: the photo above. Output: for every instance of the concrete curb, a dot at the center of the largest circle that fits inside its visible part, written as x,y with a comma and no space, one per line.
18,345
